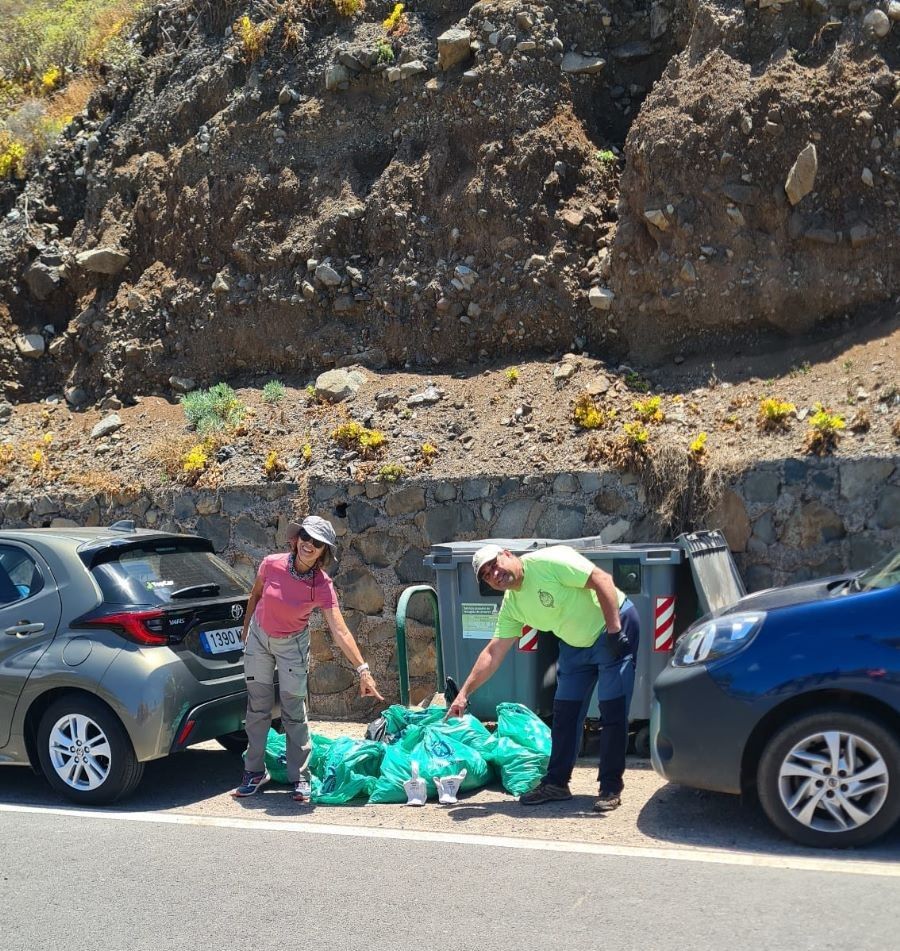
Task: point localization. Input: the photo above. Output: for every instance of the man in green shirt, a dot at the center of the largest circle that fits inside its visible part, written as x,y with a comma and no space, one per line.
557,589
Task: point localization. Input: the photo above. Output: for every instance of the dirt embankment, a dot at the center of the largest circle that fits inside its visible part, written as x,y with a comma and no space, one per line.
495,180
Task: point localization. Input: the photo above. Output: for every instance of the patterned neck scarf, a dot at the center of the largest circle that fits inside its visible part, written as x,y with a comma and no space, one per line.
300,575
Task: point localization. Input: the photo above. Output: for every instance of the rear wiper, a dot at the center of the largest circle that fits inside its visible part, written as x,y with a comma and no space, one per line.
196,591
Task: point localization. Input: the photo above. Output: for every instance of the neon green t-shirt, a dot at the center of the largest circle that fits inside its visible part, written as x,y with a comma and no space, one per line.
553,597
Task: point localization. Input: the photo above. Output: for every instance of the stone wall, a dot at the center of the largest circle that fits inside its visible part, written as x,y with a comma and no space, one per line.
785,521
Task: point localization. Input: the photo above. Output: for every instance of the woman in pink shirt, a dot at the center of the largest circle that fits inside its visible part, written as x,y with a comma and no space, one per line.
288,588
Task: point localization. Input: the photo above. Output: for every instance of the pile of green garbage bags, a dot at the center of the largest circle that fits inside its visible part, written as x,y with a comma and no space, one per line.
346,769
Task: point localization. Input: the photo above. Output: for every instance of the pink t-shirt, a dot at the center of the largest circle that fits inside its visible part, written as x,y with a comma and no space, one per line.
287,602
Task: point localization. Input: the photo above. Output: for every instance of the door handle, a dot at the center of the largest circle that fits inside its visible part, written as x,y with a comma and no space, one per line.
25,627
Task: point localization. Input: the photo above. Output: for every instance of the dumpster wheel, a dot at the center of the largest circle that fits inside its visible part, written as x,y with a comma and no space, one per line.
642,742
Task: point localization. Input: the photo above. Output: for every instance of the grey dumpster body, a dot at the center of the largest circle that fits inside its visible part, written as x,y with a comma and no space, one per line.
670,584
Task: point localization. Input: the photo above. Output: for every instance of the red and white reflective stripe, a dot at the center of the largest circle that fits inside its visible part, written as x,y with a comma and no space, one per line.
528,640
664,630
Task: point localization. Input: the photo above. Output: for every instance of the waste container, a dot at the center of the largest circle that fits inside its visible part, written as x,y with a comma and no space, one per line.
671,584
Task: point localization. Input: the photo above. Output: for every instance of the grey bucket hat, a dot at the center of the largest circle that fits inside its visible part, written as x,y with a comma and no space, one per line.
319,528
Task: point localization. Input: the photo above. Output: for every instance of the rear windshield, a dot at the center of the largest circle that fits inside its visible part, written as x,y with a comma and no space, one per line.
151,575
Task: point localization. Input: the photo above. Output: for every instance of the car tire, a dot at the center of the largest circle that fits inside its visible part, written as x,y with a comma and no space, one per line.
804,799
233,742
107,772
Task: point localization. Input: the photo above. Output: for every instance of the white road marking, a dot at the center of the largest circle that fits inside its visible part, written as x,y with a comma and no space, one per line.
711,856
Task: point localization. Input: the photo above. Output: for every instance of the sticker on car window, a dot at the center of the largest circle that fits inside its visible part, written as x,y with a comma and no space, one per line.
153,585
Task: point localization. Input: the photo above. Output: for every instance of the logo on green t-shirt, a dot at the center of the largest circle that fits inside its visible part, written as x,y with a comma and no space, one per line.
546,598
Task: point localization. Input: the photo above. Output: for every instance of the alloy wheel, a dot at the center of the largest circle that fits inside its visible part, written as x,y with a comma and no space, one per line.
79,752
833,781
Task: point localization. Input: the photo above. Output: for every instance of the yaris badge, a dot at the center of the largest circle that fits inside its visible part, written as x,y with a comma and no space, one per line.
237,611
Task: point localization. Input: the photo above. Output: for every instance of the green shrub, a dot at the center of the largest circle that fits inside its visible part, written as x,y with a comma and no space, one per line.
213,409
62,35
384,53
273,391
391,472
634,381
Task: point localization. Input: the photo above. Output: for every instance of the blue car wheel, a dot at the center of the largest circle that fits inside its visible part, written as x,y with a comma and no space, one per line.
831,779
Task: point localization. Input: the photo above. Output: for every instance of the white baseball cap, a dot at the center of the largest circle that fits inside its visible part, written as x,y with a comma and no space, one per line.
485,554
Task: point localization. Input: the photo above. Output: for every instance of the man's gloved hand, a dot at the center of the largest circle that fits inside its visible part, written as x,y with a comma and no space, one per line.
619,643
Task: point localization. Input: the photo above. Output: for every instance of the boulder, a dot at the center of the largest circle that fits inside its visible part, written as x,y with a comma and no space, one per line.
453,47
601,298
106,426
338,385
31,345
327,275
802,176
577,64
42,281
103,260
337,77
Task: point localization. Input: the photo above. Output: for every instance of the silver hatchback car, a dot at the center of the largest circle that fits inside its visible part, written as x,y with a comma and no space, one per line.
117,646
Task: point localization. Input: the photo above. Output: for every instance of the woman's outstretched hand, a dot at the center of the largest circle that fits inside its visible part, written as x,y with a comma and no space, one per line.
368,687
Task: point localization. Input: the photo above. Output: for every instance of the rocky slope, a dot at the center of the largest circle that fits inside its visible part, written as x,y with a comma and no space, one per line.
496,180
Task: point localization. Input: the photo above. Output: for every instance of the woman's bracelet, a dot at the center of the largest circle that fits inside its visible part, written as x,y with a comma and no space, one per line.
362,669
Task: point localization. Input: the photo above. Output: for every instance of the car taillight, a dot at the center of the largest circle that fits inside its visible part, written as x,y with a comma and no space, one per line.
142,627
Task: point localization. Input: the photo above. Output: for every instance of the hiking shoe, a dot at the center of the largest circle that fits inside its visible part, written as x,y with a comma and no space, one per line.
545,792
607,802
302,792
250,783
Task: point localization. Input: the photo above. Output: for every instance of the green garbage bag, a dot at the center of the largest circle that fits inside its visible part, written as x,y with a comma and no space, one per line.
520,769
276,756
469,731
321,745
400,719
345,769
522,725
437,754
522,749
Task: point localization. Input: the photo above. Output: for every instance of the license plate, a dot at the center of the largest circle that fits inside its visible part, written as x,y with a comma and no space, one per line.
226,640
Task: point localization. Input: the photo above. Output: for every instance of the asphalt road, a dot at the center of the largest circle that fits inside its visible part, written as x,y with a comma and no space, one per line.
181,865
124,881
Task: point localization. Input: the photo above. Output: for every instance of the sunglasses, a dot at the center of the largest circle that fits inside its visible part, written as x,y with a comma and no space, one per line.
487,570
304,536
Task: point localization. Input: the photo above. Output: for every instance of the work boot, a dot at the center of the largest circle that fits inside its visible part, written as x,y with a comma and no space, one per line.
607,802
545,792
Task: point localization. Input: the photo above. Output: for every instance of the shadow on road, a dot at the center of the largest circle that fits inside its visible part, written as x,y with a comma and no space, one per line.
184,779
678,816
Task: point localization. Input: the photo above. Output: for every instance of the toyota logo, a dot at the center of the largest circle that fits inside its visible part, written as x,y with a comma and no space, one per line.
237,611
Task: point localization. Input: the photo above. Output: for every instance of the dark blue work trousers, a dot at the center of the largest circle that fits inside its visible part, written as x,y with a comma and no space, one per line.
609,663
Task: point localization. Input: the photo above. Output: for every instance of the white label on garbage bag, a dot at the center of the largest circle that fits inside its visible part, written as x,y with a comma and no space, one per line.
479,620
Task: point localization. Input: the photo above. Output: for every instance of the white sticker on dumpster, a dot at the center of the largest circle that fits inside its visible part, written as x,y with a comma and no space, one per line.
479,620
